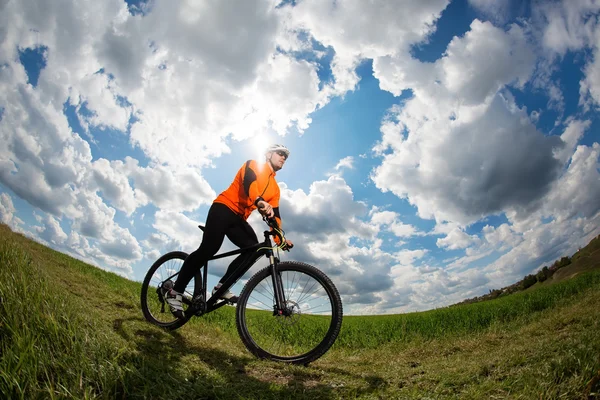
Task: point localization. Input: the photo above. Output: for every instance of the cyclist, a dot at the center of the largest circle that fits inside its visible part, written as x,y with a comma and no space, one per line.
254,187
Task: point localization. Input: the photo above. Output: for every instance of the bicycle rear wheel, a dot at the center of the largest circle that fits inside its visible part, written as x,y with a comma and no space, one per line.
313,320
154,307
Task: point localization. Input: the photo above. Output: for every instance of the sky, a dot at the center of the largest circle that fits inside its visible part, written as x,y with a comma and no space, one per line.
439,149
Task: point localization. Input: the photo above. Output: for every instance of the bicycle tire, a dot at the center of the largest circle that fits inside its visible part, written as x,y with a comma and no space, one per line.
312,323
150,304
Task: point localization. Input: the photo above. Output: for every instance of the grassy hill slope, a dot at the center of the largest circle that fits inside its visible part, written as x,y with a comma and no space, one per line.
584,260
69,330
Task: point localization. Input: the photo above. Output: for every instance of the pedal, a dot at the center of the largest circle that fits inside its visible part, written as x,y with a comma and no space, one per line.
199,305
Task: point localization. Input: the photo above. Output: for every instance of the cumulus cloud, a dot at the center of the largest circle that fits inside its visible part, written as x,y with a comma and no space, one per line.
457,239
348,28
570,26
113,184
51,231
8,212
182,230
484,174
177,189
391,221
97,92
566,24
577,191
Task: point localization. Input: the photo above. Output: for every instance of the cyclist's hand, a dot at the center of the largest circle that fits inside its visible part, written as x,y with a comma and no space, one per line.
265,209
287,245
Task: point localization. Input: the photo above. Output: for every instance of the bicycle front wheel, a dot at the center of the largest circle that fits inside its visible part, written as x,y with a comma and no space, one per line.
311,323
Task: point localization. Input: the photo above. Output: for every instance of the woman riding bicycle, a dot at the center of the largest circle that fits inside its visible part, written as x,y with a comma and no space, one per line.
254,187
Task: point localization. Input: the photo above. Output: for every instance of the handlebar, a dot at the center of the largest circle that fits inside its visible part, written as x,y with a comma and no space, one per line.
272,222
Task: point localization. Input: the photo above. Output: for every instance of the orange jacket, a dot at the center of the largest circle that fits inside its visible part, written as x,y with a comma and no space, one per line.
252,181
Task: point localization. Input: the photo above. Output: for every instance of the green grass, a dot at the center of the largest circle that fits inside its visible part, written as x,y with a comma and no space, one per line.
520,308
69,330
50,347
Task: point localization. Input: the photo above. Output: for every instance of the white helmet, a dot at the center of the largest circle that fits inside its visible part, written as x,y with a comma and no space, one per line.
278,147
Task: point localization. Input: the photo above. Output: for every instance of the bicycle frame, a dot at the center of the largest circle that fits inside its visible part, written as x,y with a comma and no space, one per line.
258,250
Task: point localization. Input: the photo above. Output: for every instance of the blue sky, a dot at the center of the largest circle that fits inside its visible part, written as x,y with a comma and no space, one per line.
438,150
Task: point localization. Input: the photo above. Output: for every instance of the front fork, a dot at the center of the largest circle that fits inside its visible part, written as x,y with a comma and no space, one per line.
280,306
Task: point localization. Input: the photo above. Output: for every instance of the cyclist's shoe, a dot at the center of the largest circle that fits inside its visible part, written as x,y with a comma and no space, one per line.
230,297
173,299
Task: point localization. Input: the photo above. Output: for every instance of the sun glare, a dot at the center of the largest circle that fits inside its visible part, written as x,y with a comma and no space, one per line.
258,144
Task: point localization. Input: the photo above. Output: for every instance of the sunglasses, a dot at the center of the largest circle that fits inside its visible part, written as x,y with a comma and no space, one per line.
282,154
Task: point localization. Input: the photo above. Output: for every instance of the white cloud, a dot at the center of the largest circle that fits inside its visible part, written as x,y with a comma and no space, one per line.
571,136
590,84
346,162
98,93
42,155
328,209
484,174
113,184
8,212
457,239
403,230
170,188
51,231
408,257
231,82
182,233
502,237
122,245
391,221
474,67
484,60
189,89
456,150
349,29
566,24
570,26
577,191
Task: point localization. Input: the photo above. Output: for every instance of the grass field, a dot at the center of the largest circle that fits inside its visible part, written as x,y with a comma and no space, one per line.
69,330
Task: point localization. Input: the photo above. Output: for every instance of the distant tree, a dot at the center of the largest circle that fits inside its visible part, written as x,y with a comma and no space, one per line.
564,262
558,264
528,281
543,274
547,272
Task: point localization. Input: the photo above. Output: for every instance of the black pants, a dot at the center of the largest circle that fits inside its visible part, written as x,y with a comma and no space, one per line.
220,221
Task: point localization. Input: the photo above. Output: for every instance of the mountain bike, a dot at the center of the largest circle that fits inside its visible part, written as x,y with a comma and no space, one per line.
289,311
